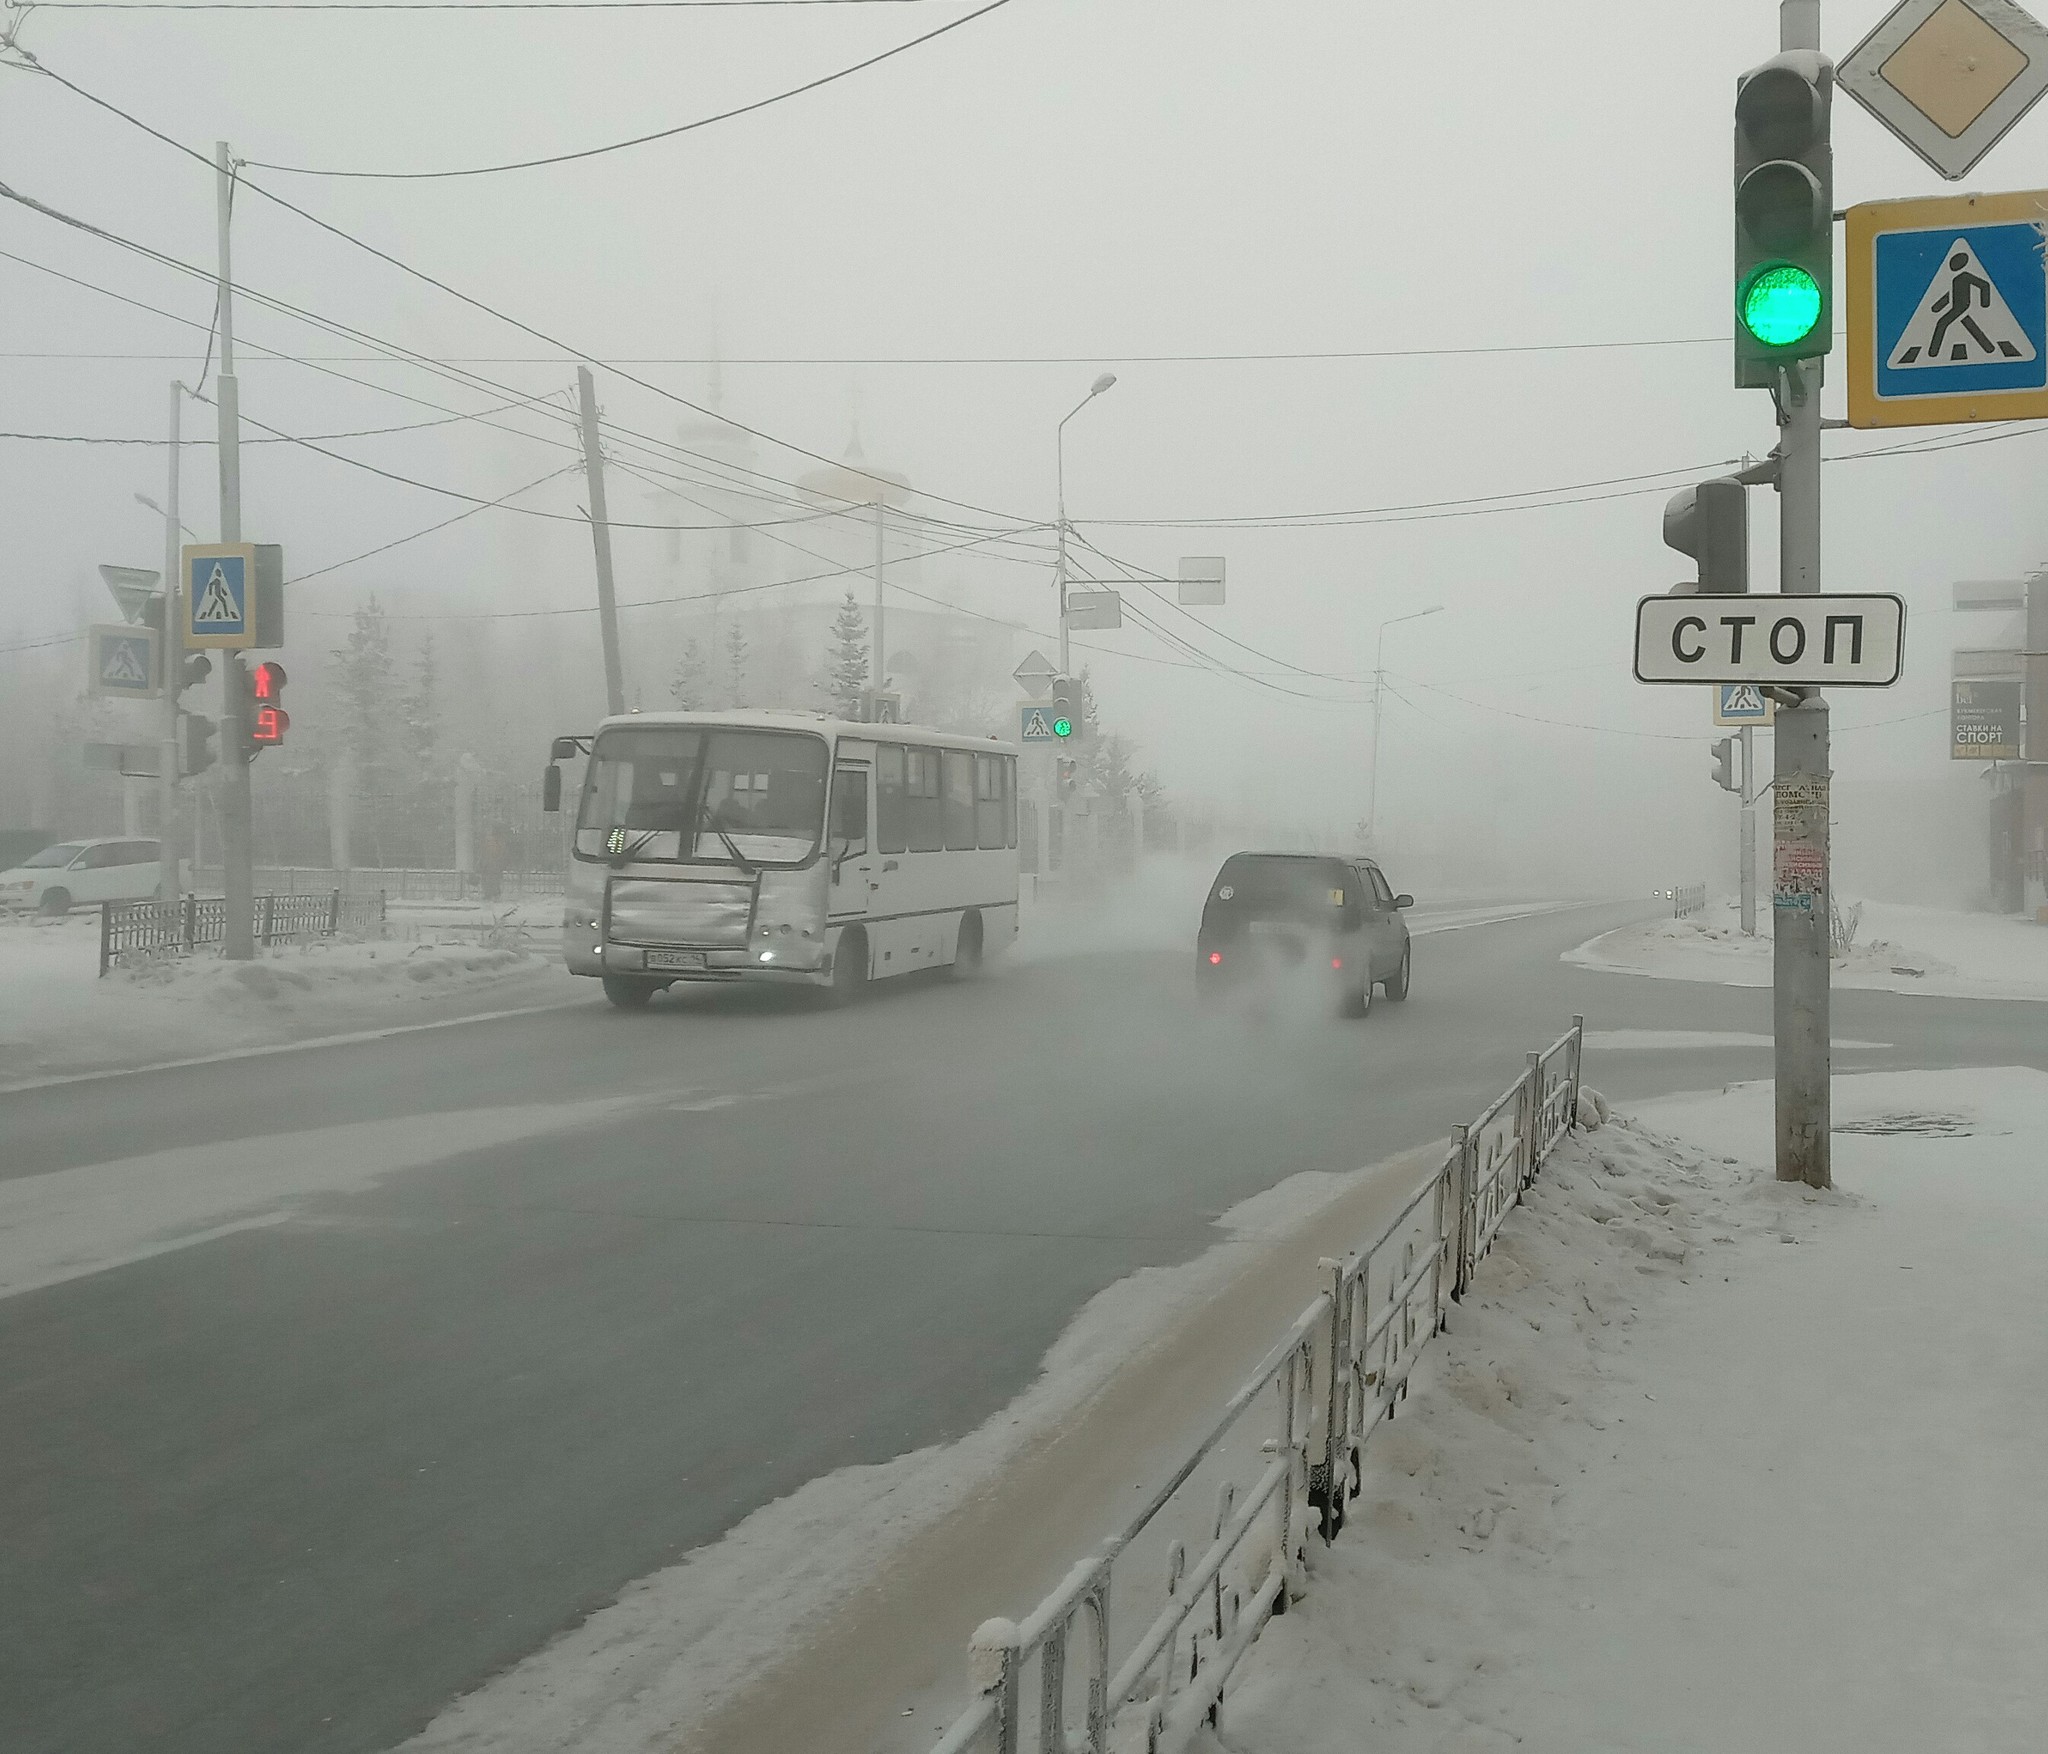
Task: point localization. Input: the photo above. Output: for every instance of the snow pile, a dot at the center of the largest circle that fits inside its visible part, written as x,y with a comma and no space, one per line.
1896,949
58,1018
1707,1462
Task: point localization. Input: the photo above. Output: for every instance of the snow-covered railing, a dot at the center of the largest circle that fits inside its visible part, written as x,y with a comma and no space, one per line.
1692,899
1330,1383
182,926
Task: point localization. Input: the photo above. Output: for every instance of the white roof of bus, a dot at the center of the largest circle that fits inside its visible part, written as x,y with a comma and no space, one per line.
819,723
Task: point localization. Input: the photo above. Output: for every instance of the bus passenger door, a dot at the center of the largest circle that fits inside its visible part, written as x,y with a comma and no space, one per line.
849,844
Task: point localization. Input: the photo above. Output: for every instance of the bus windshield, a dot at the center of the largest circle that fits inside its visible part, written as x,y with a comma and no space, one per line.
703,795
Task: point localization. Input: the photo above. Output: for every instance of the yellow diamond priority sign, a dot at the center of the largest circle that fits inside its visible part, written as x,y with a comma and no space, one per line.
1950,77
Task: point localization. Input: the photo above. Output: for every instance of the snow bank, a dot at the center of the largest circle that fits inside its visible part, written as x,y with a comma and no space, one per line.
1897,949
58,1018
1706,1462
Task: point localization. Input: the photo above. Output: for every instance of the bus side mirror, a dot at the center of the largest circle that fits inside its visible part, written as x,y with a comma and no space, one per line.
562,749
551,788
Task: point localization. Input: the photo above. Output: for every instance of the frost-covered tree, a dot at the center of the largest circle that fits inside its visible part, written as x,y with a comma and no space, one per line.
420,727
735,666
846,678
690,686
368,706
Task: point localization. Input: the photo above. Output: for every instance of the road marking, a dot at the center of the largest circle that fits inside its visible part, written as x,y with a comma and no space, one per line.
295,1047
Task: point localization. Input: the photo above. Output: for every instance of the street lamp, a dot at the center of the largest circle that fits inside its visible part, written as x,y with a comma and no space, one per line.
143,499
1106,381
1379,680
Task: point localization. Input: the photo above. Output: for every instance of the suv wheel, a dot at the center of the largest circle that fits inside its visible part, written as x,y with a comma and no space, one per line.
1397,983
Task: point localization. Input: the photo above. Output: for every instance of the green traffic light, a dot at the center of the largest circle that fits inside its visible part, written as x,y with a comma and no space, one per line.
1063,727
1781,304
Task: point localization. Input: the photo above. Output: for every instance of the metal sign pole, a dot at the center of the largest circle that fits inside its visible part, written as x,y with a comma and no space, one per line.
1747,839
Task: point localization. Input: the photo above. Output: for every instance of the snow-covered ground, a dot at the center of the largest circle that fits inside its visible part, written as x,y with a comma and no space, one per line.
58,1018
1897,949
1710,1463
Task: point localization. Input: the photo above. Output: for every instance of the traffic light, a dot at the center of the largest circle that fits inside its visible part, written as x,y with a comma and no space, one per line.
1710,523
194,755
1784,216
193,671
1066,708
1724,764
267,719
1067,775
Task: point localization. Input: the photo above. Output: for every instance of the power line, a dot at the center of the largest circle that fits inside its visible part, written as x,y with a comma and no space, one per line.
1100,357
427,279
467,512
74,438
439,5
746,109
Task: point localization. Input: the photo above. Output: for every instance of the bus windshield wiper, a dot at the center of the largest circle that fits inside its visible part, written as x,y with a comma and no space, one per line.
738,858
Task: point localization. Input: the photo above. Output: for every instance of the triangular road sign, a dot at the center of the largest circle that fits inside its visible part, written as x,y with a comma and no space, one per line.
217,602
1962,319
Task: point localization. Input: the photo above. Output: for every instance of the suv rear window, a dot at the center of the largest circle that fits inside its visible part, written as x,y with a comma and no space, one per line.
1284,881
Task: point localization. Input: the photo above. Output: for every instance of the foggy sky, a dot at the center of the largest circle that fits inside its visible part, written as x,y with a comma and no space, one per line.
1081,178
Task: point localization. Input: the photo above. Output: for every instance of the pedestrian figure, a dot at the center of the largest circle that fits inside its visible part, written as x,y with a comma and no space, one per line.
1964,289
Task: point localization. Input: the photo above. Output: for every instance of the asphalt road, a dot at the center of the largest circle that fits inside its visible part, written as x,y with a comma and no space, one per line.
298,1486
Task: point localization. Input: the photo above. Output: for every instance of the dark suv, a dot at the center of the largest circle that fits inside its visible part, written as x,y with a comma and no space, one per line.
1271,914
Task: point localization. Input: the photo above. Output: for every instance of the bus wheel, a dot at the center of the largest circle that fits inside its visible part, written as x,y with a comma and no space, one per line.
627,993
850,967
967,950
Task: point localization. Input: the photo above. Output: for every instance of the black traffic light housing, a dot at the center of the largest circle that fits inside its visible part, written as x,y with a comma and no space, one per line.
195,733
1784,215
1724,764
1066,709
1066,775
1710,523
265,720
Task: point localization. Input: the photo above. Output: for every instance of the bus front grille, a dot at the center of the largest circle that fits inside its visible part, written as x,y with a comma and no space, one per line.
708,915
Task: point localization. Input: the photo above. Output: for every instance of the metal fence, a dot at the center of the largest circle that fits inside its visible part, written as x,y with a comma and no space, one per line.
403,883
1308,1409
181,926
1690,900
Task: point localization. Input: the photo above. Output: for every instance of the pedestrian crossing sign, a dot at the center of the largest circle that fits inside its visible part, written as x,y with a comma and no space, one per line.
123,663
219,596
1742,703
1948,310
1034,722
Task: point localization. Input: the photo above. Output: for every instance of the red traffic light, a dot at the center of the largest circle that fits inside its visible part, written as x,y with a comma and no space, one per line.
267,682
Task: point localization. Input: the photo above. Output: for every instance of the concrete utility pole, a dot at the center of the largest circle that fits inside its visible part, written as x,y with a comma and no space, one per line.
1801,999
1379,683
601,541
167,827
237,854
880,679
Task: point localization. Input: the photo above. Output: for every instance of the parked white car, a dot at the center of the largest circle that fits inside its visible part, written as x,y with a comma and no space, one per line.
77,872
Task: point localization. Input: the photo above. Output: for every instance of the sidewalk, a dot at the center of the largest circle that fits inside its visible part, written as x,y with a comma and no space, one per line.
1708,1463
58,1018
1897,949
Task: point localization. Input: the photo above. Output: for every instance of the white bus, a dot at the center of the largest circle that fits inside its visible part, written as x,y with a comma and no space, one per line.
785,848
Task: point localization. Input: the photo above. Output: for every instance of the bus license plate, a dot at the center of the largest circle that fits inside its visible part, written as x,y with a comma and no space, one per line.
681,959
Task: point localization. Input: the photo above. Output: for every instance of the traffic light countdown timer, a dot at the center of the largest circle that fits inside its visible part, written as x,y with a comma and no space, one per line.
1784,216
266,718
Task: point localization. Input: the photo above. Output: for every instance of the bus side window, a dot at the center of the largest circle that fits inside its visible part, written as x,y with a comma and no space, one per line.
927,817
1009,765
988,801
892,802
959,781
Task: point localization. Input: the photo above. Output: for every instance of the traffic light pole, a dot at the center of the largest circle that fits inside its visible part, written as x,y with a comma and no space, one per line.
1800,1007
172,652
238,877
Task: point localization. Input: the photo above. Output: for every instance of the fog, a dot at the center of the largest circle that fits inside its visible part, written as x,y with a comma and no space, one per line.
1456,276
